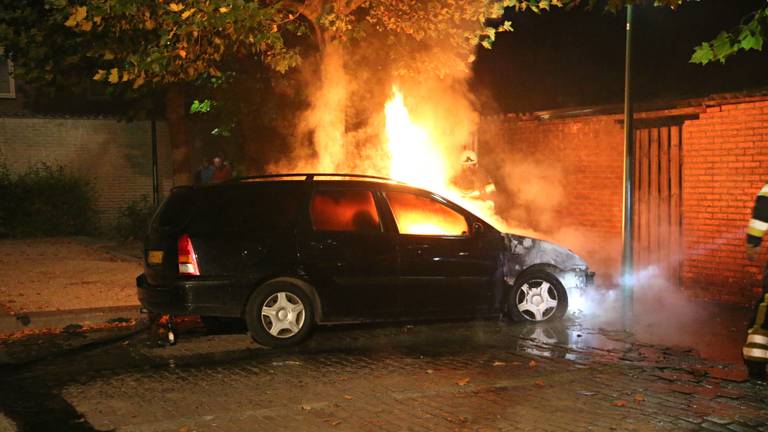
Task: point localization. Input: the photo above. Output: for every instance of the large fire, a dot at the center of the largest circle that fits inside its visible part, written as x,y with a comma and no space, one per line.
419,159
415,158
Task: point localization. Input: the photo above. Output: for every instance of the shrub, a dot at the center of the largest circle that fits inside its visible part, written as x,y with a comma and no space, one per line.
133,219
46,200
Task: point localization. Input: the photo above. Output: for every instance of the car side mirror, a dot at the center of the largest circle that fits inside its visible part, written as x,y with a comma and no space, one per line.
477,228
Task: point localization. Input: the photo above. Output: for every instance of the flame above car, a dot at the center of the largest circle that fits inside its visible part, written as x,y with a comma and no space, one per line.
419,159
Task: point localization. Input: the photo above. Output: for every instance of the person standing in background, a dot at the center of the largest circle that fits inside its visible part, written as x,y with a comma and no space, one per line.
755,351
222,170
204,174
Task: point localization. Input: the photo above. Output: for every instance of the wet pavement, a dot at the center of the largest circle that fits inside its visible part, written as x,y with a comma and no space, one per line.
453,376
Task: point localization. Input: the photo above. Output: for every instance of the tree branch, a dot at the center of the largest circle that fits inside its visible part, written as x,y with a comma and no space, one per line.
352,5
311,11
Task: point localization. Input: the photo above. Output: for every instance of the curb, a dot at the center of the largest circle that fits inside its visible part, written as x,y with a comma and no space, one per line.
63,318
23,356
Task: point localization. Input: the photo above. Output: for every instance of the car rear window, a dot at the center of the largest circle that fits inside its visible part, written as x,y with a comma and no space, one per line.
344,210
175,210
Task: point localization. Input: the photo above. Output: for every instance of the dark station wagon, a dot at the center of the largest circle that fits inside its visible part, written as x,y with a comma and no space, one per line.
287,252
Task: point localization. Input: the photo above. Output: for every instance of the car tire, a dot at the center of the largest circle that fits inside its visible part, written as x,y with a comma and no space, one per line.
279,314
537,296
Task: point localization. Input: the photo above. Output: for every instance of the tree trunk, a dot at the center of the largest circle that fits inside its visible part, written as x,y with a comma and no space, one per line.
178,131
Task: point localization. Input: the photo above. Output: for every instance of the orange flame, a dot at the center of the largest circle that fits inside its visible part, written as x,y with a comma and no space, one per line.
417,158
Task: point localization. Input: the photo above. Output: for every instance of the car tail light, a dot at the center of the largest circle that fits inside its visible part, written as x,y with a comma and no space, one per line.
187,257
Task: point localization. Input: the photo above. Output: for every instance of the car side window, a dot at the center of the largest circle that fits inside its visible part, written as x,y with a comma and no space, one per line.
248,209
344,210
420,215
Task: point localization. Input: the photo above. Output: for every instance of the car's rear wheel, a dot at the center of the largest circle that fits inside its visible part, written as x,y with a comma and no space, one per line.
279,314
537,296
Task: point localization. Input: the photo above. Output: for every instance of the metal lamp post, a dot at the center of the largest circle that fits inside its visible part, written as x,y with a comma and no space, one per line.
627,265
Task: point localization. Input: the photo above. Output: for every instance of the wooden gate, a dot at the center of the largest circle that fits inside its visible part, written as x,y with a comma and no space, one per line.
658,199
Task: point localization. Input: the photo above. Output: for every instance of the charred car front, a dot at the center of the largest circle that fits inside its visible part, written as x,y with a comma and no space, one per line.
288,252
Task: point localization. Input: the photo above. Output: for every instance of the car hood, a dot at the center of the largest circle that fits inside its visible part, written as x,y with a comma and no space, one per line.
523,252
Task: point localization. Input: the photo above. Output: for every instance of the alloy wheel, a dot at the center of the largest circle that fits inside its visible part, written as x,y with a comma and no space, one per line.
537,300
282,314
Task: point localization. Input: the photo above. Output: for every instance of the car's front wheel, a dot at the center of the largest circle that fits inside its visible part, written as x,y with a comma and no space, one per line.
279,314
537,296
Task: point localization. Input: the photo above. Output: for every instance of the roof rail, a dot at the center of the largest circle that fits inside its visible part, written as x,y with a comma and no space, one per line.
311,176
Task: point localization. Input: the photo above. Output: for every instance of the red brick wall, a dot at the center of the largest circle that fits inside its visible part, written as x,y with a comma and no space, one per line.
587,152
725,164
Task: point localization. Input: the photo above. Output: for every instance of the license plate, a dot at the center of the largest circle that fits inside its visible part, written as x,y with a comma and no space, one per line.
155,257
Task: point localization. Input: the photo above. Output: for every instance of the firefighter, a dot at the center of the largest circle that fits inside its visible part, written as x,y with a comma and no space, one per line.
472,180
755,351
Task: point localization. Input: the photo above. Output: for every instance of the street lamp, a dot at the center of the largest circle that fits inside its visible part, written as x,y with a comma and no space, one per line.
627,264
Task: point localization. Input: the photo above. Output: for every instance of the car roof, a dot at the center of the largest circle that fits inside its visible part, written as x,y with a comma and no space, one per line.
325,179
316,176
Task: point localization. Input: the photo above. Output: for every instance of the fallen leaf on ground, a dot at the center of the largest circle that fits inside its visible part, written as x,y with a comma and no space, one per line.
429,371
462,381
639,398
499,363
347,397
532,364
306,407
619,403
184,429
335,422
539,382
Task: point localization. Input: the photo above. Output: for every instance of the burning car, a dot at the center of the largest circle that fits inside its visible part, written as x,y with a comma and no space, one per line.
287,252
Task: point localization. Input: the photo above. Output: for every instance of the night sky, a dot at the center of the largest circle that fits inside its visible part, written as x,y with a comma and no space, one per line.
567,59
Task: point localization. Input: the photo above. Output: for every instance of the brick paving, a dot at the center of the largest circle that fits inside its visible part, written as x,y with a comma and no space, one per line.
479,376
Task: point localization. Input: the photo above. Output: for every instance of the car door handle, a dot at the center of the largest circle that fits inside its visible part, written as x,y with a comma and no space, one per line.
323,244
419,249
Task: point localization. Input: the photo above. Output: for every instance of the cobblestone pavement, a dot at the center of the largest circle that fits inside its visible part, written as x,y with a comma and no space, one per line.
456,376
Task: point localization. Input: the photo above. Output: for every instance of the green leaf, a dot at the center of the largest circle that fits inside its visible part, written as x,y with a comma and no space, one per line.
200,107
222,131
723,46
702,54
752,41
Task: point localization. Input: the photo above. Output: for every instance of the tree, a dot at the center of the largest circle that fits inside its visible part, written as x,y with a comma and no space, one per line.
147,47
143,46
408,30
747,36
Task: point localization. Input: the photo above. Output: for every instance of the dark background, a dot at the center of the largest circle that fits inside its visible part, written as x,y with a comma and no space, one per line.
562,59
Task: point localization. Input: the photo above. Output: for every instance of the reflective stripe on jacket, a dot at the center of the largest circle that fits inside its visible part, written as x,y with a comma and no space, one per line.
756,348
758,225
